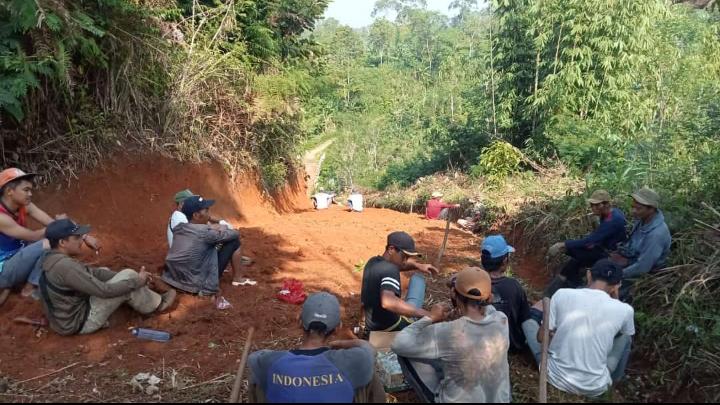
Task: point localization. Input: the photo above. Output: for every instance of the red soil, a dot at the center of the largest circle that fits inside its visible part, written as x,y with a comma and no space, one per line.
128,203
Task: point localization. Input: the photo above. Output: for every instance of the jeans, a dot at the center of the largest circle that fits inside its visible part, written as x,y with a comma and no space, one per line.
23,267
423,377
416,291
444,214
225,254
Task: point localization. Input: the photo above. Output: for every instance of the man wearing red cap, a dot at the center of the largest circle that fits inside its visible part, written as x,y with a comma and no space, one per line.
21,247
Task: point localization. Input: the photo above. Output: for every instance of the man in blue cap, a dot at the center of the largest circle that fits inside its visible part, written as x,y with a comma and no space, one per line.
194,264
319,371
508,295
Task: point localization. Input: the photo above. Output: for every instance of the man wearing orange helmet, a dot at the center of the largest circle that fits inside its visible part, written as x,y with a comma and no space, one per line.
20,246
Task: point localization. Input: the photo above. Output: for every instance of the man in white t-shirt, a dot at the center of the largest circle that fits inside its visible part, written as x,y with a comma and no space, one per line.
322,200
356,202
178,217
591,334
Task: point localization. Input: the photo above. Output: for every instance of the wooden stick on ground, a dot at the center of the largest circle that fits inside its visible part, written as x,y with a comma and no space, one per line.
47,375
545,345
235,396
444,244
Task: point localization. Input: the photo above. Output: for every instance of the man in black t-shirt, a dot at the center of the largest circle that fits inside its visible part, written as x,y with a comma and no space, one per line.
508,295
381,290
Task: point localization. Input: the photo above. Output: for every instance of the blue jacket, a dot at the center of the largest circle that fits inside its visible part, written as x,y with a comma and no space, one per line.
610,232
648,247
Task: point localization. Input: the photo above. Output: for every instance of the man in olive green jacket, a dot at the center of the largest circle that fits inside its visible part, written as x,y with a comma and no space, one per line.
79,299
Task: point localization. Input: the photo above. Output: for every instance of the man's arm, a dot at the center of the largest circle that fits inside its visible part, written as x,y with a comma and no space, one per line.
40,215
13,230
217,234
603,232
391,302
417,341
646,261
78,279
351,344
412,264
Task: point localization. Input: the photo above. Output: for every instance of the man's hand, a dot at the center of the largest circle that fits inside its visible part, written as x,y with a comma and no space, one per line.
439,313
556,249
427,269
346,344
144,276
92,243
61,216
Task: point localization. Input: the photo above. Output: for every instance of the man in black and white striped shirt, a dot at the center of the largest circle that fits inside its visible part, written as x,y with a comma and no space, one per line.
381,297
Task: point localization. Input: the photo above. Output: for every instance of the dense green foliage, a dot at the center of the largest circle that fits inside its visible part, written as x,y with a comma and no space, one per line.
624,93
198,78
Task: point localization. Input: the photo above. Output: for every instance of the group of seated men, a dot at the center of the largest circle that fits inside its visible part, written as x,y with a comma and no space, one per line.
645,250
446,356
78,298
459,353
323,200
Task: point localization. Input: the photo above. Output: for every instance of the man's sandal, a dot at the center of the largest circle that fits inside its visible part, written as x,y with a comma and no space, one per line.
243,282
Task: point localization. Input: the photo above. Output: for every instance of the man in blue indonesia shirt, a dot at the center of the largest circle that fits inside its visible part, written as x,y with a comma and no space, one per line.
319,371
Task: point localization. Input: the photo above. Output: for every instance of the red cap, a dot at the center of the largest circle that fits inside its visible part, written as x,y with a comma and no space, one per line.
12,174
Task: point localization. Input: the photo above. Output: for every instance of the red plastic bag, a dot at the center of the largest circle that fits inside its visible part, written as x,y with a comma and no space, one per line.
292,292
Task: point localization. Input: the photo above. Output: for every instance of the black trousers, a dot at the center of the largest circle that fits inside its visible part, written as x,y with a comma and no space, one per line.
574,270
580,260
225,253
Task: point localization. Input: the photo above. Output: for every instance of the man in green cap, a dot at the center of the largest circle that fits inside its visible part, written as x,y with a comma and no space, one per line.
649,244
584,253
178,217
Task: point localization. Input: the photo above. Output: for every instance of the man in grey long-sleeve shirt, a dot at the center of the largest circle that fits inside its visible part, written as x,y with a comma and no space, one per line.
79,299
463,361
200,252
649,244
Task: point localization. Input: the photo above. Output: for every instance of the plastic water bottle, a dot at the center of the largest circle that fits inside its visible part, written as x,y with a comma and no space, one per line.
151,334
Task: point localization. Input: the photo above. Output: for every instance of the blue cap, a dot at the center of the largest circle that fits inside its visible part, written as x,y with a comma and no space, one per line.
496,246
64,228
194,204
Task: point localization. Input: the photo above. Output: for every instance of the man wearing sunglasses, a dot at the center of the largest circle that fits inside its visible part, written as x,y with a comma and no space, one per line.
584,253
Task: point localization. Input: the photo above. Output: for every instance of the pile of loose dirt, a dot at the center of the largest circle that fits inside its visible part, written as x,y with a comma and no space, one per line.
129,202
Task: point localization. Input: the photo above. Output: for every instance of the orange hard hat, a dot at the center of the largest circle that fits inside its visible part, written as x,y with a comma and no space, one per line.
12,174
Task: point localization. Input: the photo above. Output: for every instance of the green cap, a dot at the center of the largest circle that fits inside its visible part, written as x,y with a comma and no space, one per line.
647,196
599,197
183,195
